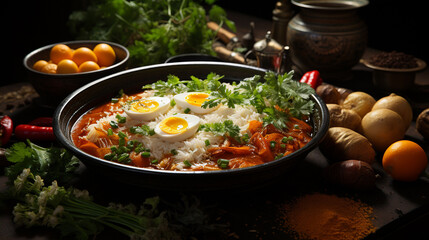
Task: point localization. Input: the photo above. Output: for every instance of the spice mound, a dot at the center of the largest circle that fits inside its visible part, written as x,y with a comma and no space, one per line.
394,59
323,217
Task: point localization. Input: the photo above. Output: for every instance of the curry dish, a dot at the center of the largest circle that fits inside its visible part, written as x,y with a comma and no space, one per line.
174,125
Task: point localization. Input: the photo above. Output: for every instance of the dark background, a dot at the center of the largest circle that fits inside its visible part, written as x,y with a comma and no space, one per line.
27,25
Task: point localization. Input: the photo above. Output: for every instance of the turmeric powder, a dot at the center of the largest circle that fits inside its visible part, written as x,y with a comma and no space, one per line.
327,217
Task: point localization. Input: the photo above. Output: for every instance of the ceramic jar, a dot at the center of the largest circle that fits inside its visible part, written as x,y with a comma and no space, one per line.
327,35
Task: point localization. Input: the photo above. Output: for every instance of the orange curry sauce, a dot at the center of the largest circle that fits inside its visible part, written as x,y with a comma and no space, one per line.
265,144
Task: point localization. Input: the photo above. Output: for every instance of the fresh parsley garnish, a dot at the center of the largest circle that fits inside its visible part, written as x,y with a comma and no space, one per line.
226,128
224,96
277,96
174,85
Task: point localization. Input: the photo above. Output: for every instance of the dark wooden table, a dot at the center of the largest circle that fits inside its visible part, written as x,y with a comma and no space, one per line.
400,209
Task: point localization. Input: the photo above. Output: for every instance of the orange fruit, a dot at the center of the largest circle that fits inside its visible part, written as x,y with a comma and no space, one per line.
404,160
82,55
60,52
105,54
49,68
66,66
88,66
39,65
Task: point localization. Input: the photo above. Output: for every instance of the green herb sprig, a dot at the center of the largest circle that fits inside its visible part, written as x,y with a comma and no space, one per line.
152,31
51,163
74,214
174,85
226,128
277,96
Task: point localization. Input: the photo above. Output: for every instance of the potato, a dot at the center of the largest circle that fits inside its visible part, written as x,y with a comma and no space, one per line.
353,174
360,102
383,127
328,93
340,117
397,104
342,144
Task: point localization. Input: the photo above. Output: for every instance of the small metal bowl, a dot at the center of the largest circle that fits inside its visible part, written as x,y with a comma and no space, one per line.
394,79
53,88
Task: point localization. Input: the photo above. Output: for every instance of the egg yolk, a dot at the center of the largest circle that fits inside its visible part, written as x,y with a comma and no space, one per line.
173,125
197,99
144,106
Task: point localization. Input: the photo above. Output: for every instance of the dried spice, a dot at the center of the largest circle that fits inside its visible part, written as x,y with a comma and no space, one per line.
393,59
327,217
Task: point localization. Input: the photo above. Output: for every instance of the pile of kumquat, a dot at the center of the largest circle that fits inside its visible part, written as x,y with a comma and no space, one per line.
64,60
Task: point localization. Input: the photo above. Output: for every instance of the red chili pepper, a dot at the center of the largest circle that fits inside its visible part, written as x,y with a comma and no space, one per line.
39,129
312,78
42,121
6,129
34,133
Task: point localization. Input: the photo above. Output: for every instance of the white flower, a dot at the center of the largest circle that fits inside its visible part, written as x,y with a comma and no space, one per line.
30,199
31,218
21,179
38,183
43,198
42,211
58,210
18,213
82,194
53,189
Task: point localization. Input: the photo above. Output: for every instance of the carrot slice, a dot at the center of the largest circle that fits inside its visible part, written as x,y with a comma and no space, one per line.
254,126
263,148
90,148
138,160
245,161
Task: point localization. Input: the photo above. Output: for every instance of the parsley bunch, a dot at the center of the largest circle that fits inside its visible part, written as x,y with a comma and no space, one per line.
152,31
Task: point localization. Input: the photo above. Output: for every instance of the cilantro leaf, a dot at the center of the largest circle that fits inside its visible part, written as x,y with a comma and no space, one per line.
211,83
224,96
226,128
51,163
173,85
17,152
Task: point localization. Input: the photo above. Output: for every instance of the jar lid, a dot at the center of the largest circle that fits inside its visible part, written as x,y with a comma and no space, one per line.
268,45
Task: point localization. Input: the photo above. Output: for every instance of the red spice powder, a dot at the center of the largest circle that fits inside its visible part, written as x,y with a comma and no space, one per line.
328,217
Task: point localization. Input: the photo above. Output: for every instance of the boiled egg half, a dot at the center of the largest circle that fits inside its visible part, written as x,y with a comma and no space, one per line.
147,109
177,127
193,101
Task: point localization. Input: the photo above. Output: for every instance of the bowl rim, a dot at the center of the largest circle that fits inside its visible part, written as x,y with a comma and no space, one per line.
420,66
351,4
38,50
70,145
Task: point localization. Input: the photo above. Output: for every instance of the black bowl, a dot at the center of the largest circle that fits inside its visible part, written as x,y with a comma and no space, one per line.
188,57
53,88
102,90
